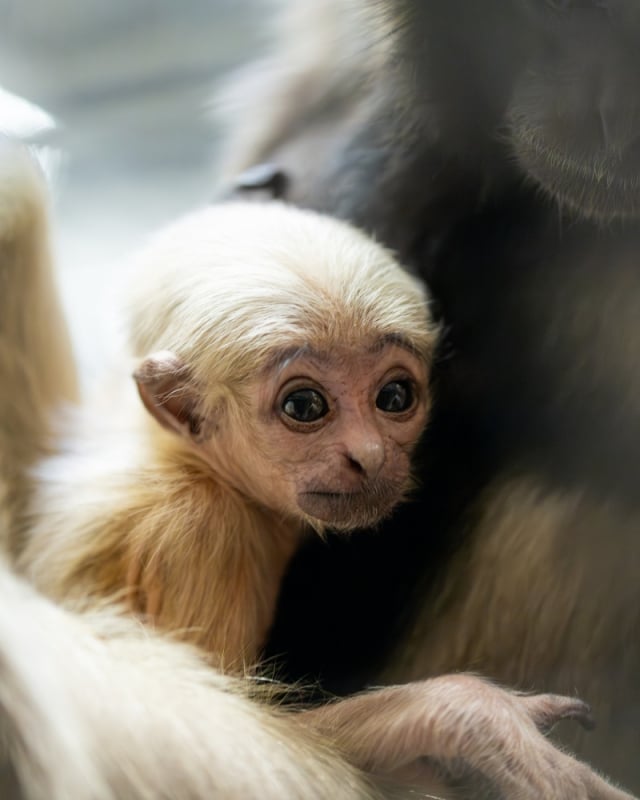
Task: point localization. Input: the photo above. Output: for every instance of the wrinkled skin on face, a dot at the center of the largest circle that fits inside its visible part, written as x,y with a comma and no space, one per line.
331,434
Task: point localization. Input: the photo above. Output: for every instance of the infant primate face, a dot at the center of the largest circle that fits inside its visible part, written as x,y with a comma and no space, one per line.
334,432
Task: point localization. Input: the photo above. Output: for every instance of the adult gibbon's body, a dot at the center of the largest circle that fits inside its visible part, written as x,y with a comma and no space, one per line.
496,146
293,393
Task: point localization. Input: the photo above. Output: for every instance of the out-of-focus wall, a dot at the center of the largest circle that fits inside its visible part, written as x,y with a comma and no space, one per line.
129,83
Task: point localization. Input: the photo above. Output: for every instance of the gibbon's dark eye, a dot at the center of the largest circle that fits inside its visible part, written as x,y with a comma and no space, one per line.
395,397
305,405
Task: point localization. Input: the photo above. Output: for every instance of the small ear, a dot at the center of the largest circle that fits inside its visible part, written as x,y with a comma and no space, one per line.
165,387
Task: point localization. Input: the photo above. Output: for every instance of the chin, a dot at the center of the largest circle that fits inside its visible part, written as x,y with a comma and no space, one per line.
348,511
603,188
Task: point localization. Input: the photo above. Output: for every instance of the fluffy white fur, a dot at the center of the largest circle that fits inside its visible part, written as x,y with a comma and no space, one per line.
93,707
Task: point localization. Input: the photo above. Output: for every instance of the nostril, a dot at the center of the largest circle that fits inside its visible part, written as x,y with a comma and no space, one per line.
355,465
367,458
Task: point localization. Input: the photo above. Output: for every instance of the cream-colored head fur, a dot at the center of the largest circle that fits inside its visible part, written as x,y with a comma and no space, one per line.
254,279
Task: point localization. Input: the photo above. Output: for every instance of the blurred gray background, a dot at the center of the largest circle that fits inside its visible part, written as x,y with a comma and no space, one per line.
130,85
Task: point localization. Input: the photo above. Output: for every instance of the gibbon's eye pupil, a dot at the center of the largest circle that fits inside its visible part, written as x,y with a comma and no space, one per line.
395,397
305,405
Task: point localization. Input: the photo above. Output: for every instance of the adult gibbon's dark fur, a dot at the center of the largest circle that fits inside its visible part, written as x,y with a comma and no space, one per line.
496,146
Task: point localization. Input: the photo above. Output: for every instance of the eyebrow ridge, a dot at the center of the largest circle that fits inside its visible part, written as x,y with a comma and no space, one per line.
280,358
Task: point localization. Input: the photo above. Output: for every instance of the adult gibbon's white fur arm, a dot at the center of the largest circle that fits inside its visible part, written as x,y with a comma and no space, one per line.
36,363
94,707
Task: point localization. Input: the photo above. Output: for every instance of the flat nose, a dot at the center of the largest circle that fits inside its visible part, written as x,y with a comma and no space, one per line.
367,456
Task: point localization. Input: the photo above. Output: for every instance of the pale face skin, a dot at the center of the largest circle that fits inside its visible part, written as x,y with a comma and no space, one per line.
330,435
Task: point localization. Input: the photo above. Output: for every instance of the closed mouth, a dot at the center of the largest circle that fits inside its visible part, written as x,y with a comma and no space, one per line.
349,509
